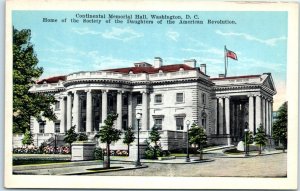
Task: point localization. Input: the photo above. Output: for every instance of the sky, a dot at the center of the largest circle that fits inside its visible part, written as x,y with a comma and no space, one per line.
258,38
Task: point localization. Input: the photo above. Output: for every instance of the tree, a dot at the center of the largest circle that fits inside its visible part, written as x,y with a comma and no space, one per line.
128,137
82,137
28,139
70,136
279,132
25,72
108,134
154,137
197,136
260,137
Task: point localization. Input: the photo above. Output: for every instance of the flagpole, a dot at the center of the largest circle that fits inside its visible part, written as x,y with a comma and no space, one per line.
225,52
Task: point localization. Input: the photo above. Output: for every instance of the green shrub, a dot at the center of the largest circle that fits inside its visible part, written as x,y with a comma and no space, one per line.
82,137
153,152
98,154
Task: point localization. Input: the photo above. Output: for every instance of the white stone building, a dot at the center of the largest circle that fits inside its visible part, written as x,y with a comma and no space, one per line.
166,95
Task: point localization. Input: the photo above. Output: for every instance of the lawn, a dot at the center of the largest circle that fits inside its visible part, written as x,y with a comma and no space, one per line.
26,159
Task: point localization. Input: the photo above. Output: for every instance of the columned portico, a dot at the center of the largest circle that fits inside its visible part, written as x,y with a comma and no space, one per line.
258,111
69,110
145,111
251,113
62,114
130,106
216,115
227,119
104,105
267,118
263,100
89,111
76,111
220,116
119,109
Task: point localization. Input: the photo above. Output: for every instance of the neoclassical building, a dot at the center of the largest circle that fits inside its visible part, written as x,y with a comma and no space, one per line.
166,95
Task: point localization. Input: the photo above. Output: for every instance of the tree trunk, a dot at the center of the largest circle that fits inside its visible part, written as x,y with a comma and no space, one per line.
259,149
70,148
106,163
201,154
128,150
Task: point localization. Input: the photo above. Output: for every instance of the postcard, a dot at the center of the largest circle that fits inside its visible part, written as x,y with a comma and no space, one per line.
151,94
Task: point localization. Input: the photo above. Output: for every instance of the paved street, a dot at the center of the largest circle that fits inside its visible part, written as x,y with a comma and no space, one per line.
274,165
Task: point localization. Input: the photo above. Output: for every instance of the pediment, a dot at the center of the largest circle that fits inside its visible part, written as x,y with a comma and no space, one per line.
268,82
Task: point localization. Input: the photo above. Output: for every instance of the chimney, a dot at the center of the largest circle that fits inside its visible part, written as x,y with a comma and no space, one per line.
221,75
190,63
203,68
157,62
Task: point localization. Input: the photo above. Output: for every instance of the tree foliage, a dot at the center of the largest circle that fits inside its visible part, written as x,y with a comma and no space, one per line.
128,137
260,137
108,134
197,136
28,138
70,135
250,137
82,137
25,72
150,151
154,135
279,132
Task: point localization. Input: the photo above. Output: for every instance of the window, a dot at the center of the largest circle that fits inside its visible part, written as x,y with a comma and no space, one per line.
139,99
57,105
204,123
158,98
158,123
57,127
42,126
179,123
179,97
203,98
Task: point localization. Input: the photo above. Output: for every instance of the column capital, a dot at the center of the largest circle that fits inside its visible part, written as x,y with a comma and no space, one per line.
88,90
121,91
74,91
144,91
104,91
251,95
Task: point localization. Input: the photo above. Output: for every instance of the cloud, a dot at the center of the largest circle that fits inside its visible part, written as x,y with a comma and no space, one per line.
211,50
122,34
269,42
173,35
85,31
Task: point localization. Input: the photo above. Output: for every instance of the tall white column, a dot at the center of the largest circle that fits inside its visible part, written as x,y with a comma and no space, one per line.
76,111
69,111
216,115
145,111
251,114
221,125
271,117
130,110
258,111
119,109
263,100
62,115
89,107
104,105
267,118
227,119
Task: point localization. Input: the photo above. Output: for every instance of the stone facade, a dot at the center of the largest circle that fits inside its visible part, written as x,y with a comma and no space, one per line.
166,95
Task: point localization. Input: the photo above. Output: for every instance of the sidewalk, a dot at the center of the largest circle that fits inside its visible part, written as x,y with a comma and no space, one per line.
123,164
